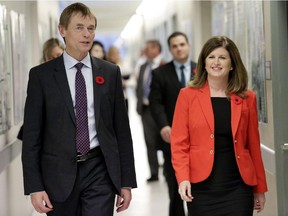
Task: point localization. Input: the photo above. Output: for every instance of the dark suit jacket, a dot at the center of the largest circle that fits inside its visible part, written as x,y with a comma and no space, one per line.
165,87
49,148
139,87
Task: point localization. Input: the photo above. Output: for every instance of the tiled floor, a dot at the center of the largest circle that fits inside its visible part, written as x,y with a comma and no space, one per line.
148,199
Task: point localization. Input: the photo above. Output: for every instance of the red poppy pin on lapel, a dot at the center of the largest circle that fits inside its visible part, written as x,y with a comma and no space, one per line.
99,80
237,100
194,71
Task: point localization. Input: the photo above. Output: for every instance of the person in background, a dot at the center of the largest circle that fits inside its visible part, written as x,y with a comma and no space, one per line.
52,48
140,61
113,56
215,140
77,147
167,80
97,50
151,134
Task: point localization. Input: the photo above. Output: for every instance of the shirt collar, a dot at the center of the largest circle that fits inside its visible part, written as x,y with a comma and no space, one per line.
70,62
157,60
177,64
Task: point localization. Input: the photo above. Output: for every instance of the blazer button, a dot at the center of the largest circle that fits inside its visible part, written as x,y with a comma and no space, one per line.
238,157
235,141
212,136
211,151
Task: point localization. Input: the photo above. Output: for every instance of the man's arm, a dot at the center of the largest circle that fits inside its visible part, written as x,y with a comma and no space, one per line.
124,138
156,100
33,119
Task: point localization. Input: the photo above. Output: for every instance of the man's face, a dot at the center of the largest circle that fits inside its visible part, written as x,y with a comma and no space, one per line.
179,48
152,51
79,35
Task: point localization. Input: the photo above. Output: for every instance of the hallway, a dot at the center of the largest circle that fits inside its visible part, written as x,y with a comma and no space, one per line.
259,28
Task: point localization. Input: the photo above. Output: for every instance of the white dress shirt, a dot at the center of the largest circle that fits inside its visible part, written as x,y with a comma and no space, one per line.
187,70
71,70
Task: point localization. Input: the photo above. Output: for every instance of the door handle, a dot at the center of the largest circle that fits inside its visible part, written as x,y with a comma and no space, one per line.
284,146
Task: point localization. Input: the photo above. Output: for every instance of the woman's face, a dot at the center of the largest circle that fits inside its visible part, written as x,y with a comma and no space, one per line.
55,52
97,51
218,63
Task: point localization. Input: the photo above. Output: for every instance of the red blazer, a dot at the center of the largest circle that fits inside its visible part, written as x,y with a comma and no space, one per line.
192,137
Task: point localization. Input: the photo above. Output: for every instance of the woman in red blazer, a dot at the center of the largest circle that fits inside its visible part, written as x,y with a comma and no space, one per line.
215,140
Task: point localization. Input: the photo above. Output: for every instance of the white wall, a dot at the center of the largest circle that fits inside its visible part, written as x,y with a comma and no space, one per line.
38,16
191,17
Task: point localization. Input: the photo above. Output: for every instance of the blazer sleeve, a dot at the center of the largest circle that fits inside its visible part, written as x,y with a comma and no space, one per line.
32,136
180,138
253,143
123,135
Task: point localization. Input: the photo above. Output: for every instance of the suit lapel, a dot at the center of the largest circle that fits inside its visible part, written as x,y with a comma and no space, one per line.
97,72
206,105
236,108
173,77
62,81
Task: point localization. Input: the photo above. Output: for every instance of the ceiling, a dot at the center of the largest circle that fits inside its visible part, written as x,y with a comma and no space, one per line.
112,15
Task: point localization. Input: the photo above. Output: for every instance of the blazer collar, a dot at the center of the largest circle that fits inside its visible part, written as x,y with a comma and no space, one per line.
206,107
236,110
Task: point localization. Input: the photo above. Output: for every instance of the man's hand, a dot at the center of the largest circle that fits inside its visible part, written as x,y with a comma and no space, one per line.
185,191
124,200
165,133
41,202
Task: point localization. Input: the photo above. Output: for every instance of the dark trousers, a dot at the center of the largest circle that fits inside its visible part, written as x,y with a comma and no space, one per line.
176,206
152,139
93,193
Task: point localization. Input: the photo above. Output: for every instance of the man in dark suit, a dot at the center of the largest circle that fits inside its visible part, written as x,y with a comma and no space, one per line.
167,80
77,147
151,135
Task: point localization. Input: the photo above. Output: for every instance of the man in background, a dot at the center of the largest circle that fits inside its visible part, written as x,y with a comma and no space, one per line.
167,81
151,135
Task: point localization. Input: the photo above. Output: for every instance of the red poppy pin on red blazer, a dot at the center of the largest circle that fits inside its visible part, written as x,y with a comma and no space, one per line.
237,100
99,80
194,71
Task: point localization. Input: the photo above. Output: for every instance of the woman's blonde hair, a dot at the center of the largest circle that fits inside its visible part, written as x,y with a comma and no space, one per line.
48,46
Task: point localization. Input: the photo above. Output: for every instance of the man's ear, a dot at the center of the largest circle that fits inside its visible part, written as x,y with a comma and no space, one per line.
61,30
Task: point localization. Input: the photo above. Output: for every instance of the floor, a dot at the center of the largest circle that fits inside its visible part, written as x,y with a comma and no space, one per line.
149,199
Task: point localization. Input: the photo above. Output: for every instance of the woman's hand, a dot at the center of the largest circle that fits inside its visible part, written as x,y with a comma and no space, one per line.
185,191
259,201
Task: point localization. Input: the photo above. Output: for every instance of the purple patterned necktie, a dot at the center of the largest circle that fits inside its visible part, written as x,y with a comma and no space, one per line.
82,132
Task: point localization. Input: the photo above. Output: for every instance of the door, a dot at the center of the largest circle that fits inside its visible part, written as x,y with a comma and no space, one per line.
279,74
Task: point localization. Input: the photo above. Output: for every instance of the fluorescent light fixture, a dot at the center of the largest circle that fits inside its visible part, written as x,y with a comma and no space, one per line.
132,26
150,7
